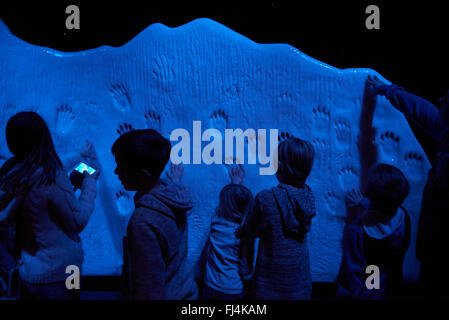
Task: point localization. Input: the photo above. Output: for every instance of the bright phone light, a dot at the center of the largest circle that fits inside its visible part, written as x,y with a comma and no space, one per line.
84,167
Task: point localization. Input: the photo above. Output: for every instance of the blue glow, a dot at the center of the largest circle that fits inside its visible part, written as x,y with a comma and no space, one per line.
165,78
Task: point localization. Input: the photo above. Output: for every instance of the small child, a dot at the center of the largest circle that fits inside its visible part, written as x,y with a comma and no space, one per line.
281,218
225,262
155,247
378,233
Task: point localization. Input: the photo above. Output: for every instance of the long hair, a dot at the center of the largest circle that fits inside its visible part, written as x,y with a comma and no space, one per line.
30,142
235,203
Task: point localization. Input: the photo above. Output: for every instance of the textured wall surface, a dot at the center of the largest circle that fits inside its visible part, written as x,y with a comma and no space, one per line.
167,77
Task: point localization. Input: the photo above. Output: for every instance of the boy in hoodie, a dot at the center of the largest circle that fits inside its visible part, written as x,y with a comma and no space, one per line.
155,247
281,218
377,234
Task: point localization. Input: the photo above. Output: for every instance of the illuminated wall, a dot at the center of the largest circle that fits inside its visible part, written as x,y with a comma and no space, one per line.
165,78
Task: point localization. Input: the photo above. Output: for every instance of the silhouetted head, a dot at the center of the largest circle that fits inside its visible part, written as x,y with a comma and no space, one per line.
295,161
386,188
141,156
29,140
235,203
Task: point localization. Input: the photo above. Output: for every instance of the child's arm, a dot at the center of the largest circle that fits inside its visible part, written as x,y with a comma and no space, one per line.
355,205
419,110
88,154
71,213
367,147
246,257
200,268
253,226
350,280
147,276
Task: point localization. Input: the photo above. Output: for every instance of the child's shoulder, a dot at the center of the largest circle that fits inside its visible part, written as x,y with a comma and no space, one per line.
268,193
264,192
306,192
142,217
264,195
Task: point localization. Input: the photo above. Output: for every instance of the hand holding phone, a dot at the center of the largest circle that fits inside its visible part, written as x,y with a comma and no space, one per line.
82,167
78,174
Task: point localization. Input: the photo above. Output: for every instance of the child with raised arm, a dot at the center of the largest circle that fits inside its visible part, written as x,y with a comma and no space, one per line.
281,218
226,263
377,233
431,239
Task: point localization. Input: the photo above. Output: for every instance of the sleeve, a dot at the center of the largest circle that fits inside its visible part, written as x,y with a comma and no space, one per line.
72,214
254,224
417,109
200,268
350,282
246,257
147,267
356,210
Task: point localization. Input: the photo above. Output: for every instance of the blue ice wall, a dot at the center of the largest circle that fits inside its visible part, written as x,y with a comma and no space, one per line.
167,77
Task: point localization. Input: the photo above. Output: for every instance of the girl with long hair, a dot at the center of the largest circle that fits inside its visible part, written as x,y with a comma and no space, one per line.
47,216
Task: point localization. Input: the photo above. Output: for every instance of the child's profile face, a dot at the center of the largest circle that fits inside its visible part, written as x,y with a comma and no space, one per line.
127,176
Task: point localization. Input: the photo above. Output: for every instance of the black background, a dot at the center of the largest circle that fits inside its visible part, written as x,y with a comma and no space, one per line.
410,49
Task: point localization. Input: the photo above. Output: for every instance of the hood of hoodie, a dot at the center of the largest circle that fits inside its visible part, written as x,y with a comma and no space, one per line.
296,207
167,198
379,228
